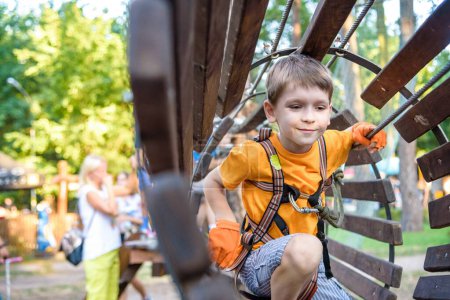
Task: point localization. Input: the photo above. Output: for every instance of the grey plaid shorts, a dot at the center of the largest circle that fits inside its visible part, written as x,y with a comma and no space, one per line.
261,263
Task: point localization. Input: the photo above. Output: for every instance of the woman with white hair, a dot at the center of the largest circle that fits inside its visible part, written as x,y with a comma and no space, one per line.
98,210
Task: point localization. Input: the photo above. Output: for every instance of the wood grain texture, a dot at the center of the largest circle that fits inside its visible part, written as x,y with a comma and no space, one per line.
210,32
379,190
435,164
437,259
426,114
430,39
439,212
246,18
358,284
324,26
378,229
433,287
380,269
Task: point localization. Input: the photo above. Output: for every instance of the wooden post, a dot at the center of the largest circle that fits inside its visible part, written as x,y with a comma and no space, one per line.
63,179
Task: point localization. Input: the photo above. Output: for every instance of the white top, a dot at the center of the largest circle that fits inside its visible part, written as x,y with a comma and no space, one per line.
130,206
103,235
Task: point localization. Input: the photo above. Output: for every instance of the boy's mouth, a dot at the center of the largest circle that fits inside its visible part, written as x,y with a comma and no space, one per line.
306,130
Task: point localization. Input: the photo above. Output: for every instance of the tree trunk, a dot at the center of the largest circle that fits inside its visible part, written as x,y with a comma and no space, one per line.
412,216
350,73
296,25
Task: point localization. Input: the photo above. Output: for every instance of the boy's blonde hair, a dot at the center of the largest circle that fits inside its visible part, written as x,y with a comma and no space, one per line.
90,163
300,70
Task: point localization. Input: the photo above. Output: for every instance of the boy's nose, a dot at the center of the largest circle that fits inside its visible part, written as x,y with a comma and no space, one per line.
308,115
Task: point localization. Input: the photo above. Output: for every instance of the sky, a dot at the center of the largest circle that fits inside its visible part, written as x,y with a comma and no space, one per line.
116,8
93,8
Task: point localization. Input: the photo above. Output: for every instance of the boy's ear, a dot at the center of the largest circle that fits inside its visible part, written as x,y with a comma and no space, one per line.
331,109
269,111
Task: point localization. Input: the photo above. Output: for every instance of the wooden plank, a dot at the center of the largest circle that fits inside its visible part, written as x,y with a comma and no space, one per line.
437,259
426,114
342,120
435,164
153,81
380,269
253,120
433,287
184,12
246,18
358,157
324,26
379,229
210,32
180,241
378,190
439,212
432,37
359,284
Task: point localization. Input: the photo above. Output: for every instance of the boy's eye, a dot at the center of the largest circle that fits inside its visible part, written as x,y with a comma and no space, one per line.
321,107
295,106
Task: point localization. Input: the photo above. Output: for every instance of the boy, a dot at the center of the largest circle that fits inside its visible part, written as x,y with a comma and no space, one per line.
280,255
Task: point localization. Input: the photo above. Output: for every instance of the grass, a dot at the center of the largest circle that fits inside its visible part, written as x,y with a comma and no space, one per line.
413,242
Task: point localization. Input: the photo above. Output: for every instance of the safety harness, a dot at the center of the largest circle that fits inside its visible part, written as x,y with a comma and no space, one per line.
283,193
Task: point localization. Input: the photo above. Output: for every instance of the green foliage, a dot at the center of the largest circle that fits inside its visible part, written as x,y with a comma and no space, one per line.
14,110
76,72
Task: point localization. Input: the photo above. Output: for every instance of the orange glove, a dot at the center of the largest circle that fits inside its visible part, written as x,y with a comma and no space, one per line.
225,243
361,129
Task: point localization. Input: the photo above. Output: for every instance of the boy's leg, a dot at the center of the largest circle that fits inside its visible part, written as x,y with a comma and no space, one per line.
259,267
298,265
329,289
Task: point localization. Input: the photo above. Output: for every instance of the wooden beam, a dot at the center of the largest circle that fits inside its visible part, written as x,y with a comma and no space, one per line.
253,120
379,229
437,259
433,287
246,18
430,39
379,190
184,13
210,33
359,284
324,26
435,164
152,74
425,115
439,212
342,120
380,269
181,244
358,157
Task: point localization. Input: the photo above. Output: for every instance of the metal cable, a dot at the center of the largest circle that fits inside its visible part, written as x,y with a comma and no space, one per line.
276,41
355,25
411,100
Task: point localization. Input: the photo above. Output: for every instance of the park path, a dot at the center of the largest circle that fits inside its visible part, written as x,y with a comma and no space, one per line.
45,278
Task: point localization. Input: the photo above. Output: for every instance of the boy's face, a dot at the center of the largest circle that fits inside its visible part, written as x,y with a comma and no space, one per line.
302,114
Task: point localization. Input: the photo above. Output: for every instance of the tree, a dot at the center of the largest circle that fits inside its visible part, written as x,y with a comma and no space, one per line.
412,217
75,70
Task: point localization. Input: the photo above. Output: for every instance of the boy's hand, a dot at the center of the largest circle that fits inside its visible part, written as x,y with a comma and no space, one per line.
224,243
359,132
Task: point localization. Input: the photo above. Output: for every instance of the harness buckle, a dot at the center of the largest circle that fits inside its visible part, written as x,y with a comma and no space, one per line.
246,246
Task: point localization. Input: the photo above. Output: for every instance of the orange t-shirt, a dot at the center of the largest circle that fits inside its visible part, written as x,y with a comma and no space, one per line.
249,161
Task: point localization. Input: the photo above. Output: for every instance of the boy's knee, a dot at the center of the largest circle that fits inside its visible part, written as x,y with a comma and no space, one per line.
303,253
